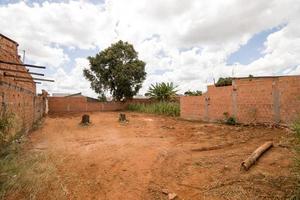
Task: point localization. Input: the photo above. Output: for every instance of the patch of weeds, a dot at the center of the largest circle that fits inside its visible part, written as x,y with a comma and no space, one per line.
6,124
160,108
296,129
230,120
36,125
27,174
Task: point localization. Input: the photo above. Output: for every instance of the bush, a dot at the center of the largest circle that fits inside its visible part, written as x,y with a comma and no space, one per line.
230,120
160,108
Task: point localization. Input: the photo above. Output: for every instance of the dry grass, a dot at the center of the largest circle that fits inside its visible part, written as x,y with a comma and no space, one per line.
296,128
27,174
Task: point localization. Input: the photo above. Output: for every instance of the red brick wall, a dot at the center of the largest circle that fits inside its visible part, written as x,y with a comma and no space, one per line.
193,107
80,104
219,101
16,96
255,100
289,91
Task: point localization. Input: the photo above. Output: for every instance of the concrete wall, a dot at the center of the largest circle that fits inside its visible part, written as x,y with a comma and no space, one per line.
80,104
249,100
16,96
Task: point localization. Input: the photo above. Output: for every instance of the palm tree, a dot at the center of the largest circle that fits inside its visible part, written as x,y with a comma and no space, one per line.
162,91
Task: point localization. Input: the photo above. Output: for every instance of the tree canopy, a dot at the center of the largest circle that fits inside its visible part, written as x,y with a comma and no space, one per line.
162,91
116,70
193,93
224,82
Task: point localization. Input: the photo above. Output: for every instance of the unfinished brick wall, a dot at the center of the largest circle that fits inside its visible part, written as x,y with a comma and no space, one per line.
218,101
249,100
81,104
289,92
17,95
193,107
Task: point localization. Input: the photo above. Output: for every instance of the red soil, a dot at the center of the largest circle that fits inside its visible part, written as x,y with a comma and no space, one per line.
137,160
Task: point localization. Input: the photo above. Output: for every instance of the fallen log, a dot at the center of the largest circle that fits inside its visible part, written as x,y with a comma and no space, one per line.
246,164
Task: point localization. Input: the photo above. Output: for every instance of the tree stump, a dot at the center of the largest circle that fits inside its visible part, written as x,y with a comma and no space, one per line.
85,119
122,117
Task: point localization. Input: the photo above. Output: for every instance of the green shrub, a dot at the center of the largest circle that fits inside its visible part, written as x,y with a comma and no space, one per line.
160,108
230,120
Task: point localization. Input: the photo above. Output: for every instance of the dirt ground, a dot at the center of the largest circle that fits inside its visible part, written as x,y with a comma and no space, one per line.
150,154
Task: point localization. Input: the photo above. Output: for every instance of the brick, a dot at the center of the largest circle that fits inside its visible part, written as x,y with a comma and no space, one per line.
18,97
254,101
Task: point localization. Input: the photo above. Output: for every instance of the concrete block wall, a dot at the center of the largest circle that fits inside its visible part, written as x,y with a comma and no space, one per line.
16,96
249,100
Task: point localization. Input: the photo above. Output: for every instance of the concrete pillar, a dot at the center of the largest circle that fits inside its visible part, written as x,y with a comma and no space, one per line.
206,114
234,99
276,101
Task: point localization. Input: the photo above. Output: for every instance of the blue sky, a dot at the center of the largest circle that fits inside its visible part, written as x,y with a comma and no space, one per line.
253,49
178,43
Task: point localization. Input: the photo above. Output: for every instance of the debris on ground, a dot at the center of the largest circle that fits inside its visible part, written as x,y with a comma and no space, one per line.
172,196
246,164
168,127
165,191
213,147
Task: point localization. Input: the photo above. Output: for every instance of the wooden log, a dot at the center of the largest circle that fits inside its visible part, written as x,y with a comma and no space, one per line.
246,164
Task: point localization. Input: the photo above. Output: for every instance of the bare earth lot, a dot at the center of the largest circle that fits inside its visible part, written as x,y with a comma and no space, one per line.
137,160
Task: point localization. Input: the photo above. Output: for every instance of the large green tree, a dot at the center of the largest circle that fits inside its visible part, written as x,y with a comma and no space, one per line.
117,70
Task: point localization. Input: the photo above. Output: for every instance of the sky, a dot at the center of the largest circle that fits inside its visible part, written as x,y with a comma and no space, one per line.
190,43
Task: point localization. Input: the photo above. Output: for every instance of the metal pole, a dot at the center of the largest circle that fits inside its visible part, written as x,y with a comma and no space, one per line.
24,72
26,65
30,78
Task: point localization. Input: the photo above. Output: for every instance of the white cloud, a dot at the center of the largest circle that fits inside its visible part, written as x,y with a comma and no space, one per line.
187,42
70,82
